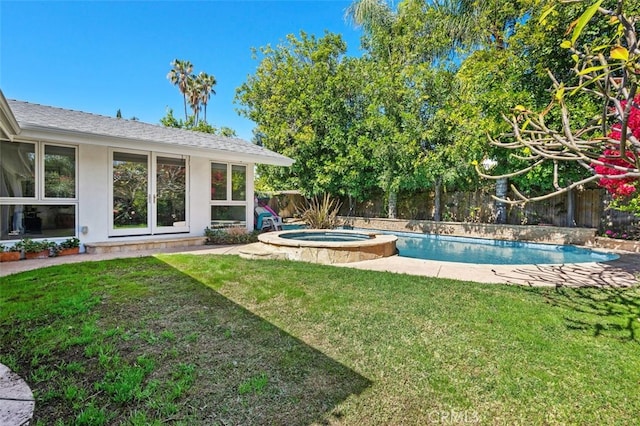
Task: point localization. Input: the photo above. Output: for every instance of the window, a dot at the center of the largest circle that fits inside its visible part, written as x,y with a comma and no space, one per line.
34,179
218,181
228,216
238,183
228,195
37,221
59,172
18,163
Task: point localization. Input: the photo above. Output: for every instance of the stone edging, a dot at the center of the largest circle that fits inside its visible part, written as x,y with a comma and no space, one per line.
16,399
614,244
372,246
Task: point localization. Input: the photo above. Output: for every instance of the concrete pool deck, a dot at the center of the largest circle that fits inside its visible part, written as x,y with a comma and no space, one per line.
623,272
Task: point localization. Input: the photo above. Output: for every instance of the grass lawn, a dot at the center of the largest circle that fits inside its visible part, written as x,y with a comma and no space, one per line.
205,340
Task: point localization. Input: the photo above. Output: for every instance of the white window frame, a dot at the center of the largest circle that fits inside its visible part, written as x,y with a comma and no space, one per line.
229,202
41,171
152,227
39,199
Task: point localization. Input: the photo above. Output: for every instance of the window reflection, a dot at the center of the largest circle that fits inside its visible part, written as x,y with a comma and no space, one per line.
17,169
19,221
59,172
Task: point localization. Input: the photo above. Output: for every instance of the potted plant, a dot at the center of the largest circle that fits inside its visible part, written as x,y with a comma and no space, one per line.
67,247
10,253
36,249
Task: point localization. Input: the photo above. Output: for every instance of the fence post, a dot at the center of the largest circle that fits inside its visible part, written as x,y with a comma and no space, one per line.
437,215
502,185
571,209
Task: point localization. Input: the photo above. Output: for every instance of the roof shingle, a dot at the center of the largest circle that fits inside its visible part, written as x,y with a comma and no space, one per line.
31,115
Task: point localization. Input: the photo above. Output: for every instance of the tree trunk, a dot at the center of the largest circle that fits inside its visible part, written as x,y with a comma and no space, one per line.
502,186
393,204
437,213
571,209
186,116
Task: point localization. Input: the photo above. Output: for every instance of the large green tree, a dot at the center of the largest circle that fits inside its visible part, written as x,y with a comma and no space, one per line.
406,92
307,100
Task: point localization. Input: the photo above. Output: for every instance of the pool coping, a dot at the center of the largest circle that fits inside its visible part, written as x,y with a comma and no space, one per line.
375,238
622,272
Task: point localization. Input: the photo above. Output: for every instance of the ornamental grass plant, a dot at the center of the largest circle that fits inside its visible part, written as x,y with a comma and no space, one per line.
320,213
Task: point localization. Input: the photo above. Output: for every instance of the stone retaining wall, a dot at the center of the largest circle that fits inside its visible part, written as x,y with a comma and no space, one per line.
613,244
537,233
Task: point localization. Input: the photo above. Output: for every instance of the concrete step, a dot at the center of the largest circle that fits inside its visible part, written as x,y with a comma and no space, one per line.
136,245
260,251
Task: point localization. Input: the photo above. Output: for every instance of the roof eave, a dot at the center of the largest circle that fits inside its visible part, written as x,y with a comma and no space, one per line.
8,124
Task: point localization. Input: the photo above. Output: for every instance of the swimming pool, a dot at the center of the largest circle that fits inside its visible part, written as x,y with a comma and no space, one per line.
486,251
496,252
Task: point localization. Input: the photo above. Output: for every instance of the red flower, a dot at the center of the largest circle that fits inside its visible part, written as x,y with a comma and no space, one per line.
626,186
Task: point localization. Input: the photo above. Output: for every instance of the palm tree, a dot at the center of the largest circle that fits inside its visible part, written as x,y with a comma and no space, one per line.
206,83
179,76
193,91
370,14
474,24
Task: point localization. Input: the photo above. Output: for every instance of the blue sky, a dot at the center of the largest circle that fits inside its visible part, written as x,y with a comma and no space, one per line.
101,56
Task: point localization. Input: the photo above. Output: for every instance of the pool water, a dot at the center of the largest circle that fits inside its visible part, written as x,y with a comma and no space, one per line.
327,236
293,226
497,252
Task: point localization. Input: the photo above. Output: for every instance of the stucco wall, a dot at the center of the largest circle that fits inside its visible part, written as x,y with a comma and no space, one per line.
544,234
94,211
93,193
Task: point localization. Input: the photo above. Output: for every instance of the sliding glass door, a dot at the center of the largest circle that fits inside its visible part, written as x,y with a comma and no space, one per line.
148,193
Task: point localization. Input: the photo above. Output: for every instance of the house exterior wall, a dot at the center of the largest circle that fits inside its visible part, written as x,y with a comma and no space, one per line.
94,211
57,182
93,218
93,191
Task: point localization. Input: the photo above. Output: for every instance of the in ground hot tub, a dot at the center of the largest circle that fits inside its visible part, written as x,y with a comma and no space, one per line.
329,246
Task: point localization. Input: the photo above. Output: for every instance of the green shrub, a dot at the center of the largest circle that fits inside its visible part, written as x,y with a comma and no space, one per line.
69,243
31,246
7,248
230,236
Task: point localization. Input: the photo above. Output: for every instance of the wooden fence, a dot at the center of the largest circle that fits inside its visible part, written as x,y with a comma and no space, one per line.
478,207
